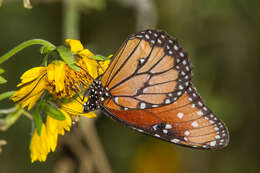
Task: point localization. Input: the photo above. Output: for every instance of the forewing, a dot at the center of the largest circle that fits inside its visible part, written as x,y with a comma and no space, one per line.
150,70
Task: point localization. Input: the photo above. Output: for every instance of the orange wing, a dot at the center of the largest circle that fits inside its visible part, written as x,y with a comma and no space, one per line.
149,70
148,88
186,122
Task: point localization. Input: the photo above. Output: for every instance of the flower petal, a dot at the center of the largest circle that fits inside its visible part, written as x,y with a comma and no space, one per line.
75,45
59,76
31,75
85,52
75,108
30,93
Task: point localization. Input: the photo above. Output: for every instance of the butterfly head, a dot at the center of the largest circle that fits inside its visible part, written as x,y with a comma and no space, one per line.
96,96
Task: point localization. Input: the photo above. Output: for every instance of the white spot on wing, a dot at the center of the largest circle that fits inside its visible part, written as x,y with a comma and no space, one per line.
168,126
180,115
167,101
155,127
213,143
116,100
195,124
181,87
142,105
187,133
175,140
200,113
144,90
140,130
165,131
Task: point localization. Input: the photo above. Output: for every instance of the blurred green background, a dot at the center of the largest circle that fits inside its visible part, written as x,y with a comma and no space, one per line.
222,38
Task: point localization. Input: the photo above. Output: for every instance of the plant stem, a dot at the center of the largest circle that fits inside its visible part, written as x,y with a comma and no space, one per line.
71,19
71,30
27,114
25,44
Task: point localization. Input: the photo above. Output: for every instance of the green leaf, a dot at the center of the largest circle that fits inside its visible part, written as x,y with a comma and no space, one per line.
6,95
67,56
2,80
37,121
99,57
2,71
54,112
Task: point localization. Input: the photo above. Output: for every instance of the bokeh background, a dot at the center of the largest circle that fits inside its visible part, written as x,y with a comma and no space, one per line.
222,38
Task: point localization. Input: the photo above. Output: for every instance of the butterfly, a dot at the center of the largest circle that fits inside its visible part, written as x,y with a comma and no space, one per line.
148,87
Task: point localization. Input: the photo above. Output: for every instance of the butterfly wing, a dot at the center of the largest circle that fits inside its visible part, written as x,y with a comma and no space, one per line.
150,90
150,70
186,122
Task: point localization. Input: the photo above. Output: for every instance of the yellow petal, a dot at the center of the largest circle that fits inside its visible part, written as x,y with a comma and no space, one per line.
75,107
89,115
39,146
59,76
86,53
104,65
51,72
30,93
92,66
75,45
32,74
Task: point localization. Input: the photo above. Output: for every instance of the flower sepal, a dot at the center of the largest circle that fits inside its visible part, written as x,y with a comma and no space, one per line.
66,54
37,119
99,57
52,111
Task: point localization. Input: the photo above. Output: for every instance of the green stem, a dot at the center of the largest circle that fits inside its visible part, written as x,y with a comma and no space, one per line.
71,19
27,114
25,44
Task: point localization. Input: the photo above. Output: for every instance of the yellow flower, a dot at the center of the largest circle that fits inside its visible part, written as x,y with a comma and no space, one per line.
58,78
41,145
61,82
66,82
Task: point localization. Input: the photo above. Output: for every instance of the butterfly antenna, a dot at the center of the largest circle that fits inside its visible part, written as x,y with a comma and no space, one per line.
86,72
100,66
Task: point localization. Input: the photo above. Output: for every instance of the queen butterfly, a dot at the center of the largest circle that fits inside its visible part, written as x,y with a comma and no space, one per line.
148,88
